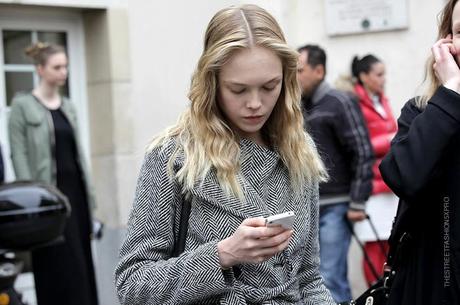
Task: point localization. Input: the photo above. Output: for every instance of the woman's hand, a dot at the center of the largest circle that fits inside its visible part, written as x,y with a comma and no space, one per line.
252,242
445,66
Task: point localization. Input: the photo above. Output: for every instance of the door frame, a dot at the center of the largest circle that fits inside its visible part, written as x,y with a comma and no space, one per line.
48,19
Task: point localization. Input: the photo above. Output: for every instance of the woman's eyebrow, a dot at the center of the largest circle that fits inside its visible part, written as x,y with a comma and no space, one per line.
236,83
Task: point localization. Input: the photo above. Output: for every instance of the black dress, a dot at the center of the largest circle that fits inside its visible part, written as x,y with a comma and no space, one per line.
64,273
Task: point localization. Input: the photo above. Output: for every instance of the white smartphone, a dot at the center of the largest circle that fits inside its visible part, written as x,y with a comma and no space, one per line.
286,220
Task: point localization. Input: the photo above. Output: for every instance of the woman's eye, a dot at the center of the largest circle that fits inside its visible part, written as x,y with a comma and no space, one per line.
238,91
269,88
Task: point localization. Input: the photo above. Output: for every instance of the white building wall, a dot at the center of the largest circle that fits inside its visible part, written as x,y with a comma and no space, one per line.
166,42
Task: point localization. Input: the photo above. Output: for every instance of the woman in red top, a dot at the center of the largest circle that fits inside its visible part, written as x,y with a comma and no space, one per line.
369,73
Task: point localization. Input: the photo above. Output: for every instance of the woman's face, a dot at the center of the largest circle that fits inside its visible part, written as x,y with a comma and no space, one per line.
249,87
374,81
54,71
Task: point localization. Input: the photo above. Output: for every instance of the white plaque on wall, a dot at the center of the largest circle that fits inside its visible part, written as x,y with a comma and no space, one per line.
361,16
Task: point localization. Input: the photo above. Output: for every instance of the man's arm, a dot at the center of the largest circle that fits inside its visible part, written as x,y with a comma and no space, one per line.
352,132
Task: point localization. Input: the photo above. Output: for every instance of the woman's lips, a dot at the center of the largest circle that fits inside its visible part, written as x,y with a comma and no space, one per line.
254,119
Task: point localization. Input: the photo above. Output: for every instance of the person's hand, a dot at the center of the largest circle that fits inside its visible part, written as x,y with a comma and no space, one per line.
252,242
355,215
445,65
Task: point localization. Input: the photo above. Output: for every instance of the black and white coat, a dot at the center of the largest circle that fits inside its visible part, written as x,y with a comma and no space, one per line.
147,274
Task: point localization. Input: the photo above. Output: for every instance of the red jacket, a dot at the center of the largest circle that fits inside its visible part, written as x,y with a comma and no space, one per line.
381,131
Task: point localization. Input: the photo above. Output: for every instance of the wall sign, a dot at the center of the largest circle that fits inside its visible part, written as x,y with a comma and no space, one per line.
361,16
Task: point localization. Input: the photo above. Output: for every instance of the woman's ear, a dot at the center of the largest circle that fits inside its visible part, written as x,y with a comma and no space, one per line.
363,76
39,69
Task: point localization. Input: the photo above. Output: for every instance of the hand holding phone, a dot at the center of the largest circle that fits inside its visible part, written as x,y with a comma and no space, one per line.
286,220
446,63
253,242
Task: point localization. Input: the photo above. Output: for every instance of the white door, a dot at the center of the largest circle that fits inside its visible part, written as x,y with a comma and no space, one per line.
19,28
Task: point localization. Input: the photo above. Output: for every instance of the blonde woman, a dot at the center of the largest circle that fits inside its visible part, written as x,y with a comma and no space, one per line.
239,154
423,169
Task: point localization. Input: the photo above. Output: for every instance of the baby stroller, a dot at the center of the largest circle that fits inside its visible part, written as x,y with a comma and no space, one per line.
32,215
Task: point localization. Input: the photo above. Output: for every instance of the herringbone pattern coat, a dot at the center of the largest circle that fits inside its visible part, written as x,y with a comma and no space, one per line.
147,275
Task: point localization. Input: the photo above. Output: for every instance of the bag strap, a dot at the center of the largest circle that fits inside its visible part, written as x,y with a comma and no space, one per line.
179,244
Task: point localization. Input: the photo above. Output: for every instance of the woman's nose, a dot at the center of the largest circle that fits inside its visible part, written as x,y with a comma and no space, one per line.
254,101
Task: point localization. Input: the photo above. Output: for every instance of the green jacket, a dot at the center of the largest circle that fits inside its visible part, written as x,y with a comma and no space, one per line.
31,135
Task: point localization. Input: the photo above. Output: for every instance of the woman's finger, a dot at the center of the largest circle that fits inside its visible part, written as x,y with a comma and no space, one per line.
444,51
270,251
254,222
452,48
436,52
442,40
271,231
275,240
435,49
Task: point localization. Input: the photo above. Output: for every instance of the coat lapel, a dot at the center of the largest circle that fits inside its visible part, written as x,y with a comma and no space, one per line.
257,164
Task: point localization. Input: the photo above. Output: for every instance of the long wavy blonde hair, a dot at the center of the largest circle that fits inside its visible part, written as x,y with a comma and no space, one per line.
431,81
203,135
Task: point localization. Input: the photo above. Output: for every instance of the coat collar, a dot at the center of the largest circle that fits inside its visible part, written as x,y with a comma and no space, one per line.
320,91
308,102
258,163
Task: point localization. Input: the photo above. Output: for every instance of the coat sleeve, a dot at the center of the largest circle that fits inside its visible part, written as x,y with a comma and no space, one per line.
312,286
146,274
18,142
352,133
420,142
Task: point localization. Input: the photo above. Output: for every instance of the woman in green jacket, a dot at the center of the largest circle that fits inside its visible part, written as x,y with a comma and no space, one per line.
45,147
